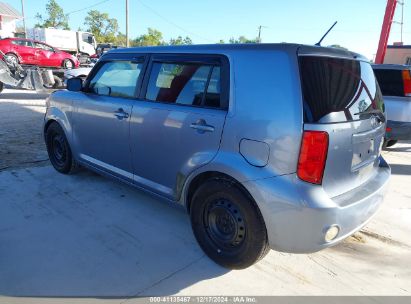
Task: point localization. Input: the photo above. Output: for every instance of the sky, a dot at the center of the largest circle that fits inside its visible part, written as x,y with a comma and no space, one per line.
297,21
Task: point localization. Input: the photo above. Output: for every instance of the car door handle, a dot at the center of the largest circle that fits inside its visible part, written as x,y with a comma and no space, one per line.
120,114
202,126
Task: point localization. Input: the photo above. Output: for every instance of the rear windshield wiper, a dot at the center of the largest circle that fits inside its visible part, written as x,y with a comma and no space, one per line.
378,113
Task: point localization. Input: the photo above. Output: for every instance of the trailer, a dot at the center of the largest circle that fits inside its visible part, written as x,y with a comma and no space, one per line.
29,77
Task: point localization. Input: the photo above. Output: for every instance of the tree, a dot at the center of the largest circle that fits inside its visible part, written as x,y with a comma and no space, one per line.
180,41
152,38
121,39
243,39
102,26
55,17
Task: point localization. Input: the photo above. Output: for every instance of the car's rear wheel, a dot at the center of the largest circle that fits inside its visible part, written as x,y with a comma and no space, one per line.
68,64
59,150
228,224
13,59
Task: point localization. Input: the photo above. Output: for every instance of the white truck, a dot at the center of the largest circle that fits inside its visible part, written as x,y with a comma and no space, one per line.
80,44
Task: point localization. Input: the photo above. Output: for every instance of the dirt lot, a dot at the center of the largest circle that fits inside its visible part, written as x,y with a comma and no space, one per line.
87,238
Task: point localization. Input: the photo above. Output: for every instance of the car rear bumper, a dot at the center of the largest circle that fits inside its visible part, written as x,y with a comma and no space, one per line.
398,130
298,214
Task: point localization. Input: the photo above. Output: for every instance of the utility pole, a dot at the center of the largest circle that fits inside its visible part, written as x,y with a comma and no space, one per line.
259,33
127,40
24,18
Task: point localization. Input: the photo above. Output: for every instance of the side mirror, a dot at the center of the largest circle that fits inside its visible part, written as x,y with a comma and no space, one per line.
75,84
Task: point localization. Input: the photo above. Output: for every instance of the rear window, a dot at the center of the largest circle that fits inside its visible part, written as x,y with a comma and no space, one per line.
336,90
390,82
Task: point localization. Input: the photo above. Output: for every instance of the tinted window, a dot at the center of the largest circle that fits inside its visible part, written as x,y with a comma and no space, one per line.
390,82
185,83
339,86
116,78
22,43
43,46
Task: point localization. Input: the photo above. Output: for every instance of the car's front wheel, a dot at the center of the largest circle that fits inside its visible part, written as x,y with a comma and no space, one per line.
59,150
68,64
228,224
11,58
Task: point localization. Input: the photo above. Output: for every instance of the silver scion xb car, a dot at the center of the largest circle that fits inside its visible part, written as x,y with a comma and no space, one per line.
266,146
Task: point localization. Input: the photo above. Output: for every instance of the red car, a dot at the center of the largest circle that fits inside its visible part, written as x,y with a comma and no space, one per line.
26,51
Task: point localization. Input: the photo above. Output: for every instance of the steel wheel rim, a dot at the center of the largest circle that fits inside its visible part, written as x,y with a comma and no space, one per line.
224,224
68,64
58,149
11,59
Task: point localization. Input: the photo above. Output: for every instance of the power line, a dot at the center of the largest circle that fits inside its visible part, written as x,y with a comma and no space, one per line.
85,8
171,22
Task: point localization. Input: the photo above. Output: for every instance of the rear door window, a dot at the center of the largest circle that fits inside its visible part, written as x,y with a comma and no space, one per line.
116,78
336,89
390,82
194,84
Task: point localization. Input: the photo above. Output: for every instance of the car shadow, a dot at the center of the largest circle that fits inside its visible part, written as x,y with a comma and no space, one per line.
89,236
402,148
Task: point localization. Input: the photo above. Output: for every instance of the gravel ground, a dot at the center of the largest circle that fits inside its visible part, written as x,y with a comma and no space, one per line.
21,119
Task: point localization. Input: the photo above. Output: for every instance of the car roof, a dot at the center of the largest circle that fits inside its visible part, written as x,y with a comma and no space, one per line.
25,39
226,48
389,66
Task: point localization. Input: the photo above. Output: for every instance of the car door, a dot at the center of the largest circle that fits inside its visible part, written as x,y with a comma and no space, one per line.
45,55
102,116
177,123
24,48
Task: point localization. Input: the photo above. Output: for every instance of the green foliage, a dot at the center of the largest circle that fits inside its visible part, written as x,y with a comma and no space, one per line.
243,39
55,17
104,28
180,41
337,46
152,38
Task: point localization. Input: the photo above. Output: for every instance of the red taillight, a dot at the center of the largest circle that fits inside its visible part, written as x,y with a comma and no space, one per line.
313,154
406,78
388,129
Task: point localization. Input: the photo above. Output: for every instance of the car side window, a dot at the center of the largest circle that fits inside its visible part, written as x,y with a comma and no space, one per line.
116,78
194,84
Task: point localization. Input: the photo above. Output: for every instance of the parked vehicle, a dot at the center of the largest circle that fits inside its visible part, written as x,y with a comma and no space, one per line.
80,73
266,146
32,52
80,44
395,84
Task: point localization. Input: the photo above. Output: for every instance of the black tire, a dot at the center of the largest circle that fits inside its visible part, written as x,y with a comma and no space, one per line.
59,150
228,224
68,64
1,86
58,83
389,143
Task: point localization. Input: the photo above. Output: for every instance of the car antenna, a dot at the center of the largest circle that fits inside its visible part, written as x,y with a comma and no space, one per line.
329,30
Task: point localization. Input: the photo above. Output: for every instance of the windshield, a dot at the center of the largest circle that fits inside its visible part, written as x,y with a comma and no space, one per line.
336,89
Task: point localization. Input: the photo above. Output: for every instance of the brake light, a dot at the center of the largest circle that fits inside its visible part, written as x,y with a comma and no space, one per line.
388,129
406,78
313,155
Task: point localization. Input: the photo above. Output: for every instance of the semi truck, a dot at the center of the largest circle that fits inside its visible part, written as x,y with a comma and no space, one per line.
81,44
